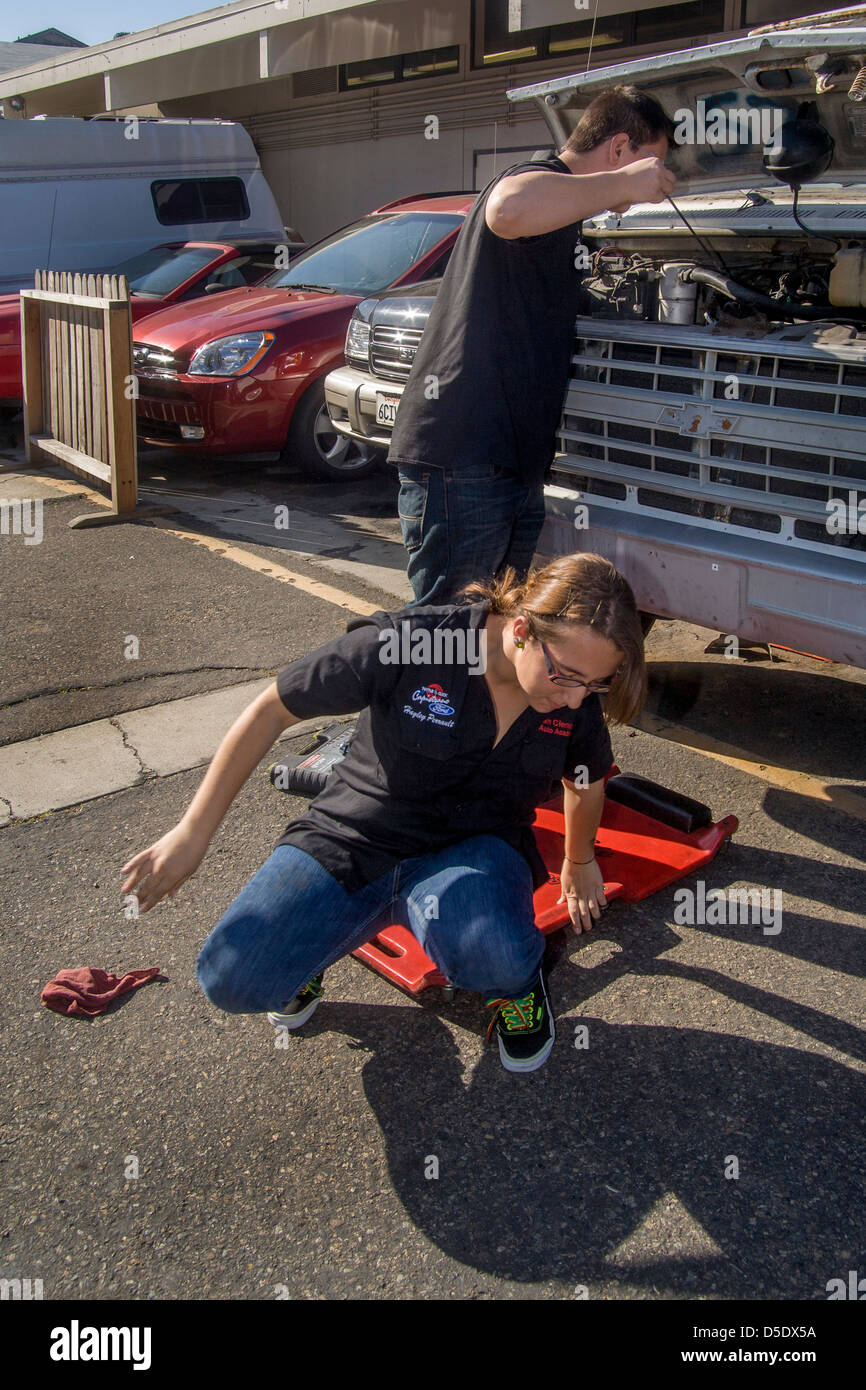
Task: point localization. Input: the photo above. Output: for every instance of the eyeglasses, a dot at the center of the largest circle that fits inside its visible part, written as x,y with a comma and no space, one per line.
592,687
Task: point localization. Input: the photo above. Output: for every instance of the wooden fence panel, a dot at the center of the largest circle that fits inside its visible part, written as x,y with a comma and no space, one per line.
76,335
97,378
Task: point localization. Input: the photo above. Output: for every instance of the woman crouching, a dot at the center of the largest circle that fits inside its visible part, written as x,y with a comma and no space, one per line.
471,713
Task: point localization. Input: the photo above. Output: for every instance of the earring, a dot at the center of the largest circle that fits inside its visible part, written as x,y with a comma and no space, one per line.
517,644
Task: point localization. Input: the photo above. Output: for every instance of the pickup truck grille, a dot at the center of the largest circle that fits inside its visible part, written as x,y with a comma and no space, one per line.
756,435
392,351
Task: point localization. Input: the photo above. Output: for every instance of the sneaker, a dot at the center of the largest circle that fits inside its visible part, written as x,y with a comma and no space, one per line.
302,1007
524,1027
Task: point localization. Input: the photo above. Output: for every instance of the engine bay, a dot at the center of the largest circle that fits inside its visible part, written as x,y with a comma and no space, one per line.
744,292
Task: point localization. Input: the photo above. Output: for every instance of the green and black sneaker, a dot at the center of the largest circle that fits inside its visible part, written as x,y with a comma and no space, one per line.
302,1007
525,1028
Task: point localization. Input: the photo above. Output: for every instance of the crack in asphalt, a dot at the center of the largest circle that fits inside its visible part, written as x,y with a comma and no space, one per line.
129,680
144,771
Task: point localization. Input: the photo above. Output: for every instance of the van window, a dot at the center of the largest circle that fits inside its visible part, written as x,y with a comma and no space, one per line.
178,202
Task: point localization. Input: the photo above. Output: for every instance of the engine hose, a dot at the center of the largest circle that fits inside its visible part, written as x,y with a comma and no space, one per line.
725,285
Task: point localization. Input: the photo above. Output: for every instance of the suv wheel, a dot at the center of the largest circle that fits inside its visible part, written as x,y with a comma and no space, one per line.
321,450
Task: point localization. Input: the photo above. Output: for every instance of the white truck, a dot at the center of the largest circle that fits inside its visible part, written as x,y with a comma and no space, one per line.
85,195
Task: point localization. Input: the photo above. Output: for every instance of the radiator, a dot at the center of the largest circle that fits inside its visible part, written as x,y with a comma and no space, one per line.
758,435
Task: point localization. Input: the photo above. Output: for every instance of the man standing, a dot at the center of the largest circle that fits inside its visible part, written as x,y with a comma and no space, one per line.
476,428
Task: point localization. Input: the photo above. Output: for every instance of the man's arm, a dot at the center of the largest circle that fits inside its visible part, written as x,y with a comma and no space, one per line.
538,201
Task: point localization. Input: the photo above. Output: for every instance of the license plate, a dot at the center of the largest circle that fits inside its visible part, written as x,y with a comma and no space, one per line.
386,409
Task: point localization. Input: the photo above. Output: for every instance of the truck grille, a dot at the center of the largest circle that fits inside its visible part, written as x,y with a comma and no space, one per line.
758,435
392,351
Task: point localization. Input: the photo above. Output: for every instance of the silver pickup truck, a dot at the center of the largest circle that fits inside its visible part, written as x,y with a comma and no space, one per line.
711,441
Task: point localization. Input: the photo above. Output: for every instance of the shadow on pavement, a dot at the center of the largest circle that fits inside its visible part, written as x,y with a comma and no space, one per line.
624,1144
767,711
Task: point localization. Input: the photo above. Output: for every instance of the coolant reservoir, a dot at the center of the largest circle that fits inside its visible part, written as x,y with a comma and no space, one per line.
676,300
848,279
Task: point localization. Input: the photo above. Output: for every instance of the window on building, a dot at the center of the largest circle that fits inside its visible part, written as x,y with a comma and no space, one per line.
181,201
575,38
678,21
498,43
433,62
495,43
756,12
370,73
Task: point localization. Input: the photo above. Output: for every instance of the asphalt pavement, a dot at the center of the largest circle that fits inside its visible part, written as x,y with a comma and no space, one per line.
701,1139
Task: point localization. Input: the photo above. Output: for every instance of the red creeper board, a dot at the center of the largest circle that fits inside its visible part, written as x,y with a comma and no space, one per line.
637,854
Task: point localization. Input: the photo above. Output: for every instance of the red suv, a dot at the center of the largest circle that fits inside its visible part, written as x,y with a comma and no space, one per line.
245,373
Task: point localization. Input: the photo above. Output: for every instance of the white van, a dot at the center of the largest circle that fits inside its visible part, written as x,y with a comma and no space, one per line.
84,195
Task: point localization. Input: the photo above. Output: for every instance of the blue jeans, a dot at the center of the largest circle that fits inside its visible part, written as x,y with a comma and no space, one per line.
464,524
470,906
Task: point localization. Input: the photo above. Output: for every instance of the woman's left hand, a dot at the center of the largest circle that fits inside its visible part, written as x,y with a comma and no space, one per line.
583,890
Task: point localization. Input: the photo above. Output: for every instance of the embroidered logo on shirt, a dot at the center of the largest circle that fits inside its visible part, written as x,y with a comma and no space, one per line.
556,726
435,696
436,699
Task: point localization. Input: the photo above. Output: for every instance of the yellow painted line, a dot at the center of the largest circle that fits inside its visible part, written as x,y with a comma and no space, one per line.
339,597
802,783
61,484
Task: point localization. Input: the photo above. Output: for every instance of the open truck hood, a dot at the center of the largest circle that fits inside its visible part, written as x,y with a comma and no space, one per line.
804,68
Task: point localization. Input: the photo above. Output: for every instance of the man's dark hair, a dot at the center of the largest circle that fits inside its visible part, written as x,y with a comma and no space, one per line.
625,110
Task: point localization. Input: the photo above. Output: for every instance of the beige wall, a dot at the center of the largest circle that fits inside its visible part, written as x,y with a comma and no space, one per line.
320,189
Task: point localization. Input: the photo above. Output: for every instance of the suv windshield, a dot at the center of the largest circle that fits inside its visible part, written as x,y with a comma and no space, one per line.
162,269
371,254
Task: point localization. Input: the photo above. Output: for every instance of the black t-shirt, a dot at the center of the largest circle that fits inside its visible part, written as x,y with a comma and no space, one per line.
499,342
421,772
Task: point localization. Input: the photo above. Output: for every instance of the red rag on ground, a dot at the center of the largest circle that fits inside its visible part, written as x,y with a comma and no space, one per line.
90,991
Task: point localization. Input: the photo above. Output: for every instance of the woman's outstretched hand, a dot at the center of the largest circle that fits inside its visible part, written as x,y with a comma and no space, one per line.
164,866
583,891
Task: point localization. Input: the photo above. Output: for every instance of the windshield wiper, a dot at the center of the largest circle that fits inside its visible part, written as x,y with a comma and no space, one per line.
329,289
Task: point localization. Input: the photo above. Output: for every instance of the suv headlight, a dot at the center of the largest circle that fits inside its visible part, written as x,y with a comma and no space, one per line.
230,356
358,341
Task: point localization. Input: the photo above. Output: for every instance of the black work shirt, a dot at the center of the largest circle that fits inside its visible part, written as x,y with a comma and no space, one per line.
421,771
499,343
